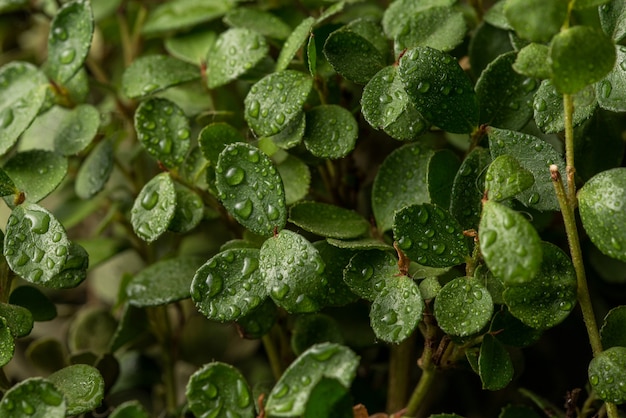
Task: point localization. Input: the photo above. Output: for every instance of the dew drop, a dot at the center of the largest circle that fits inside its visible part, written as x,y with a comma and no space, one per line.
234,176
279,292
439,248
594,380
565,306
605,88
534,198
272,212
67,56
389,318
149,200
422,216
50,263
60,33
280,118
423,86
39,221
541,105
616,244
6,118
38,255
253,109
253,156
488,238
243,208
280,390
529,85
214,284
26,407
508,221
250,264
405,243
243,394
429,233
538,147
367,272
183,134
22,260
478,295
210,390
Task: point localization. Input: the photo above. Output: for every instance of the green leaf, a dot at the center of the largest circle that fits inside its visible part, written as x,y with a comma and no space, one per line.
601,205
506,178
221,389
329,398
548,105
360,244
583,4
191,47
336,259
430,236
442,168
440,28
152,73
276,100
510,245
396,310
400,12
610,91
463,307
251,189
437,85
69,40
81,385
37,173
92,329
259,321
533,61
353,55
296,177
370,271
31,298
18,319
34,397
236,51
487,43
614,327
467,188
36,245
290,394
572,50
294,42
511,331
292,270
613,19
536,20
312,329
95,170
400,181
607,374
154,207
328,220
214,137
163,282
260,21
429,288
180,14
189,210
130,409
229,285
505,96
11,5
494,364
330,131
7,186
292,134
534,155
311,55
74,271
163,130
7,346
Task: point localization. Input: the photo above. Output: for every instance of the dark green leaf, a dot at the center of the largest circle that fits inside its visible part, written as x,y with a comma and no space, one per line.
536,20
336,259
505,178
360,244
189,210
328,220
74,271
329,398
601,205
7,187
613,19
36,172
130,409
154,207
533,61
221,389
18,319
580,56
34,397
152,73
296,177
441,28
613,331
163,129
163,282
309,330
400,12
330,131
92,329
259,321
260,21
369,272
610,92
511,331
11,5
36,245
251,189
214,137
31,298
487,43
463,307
180,14
291,135
607,372
81,385
440,89
442,168
7,346
518,411
95,170
494,364
294,42
276,100
467,188
133,325
69,40
236,51
290,395
191,47
509,243
548,105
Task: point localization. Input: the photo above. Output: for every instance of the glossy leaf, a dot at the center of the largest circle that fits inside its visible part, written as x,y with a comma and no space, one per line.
442,168
180,14
152,73
494,363
369,272
328,220
7,346
309,330
610,90
360,244
430,236
94,173
467,188
613,19
614,327
601,205
214,137
163,282
505,178
607,374
400,181
294,42
259,321
37,173
292,270
335,259
536,20
236,51
296,177
221,389
22,92
33,397
511,331
510,244
463,307
189,210
440,89
163,130
330,131
191,47
18,319
276,100
548,105
440,28
36,245
533,61
81,385
505,96
534,155
291,393
329,398
260,21
31,298
154,207
292,134
74,271
251,189
397,310
7,186
69,40
130,409
400,12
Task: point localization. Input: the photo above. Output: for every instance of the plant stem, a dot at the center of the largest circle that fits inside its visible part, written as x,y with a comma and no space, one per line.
399,367
568,108
272,355
161,326
428,368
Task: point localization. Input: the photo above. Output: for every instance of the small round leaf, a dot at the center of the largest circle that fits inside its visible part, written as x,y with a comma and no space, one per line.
191,47
154,207
95,170
214,137
33,398
81,385
36,172
330,131
74,271
533,61
463,307
181,14
189,210
152,73
548,107
607,375
33,299
613,331
467,188
613,19
336,259
92,329
441,28
295,41
296,177
401,11
130,409
369,272
261,21
18,319
536,20
611,91
328,220
505,178
494,364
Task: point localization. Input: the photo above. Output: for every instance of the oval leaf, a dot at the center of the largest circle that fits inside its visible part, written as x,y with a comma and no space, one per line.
36,172
369,272
180,14
7,346
400,12
330,131
536,20
18,319
467,188
463,307
494,364
189,210
441,28
328,220
81,385
611,91
548,107
33,398
95,170
154,207
152,73
74,271
295,41
607,374
261,21
33,299
613,331
505,178
296,177
336,259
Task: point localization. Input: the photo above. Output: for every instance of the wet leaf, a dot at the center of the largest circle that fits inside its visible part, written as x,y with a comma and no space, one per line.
429,288
95,170
610,90
511,331
31,298
430,236
18,319
467,188
336,259
81,385
91,330
328,220
7,346
191,47
36,245
154,207
463,307
221,389
34,397
189,210
601,204
292,270
607,374
294,42
510,244
276,100
486,44
533,61
236,51
260,21
440,28
259,321
505,178
69,40
613,19
180,14
360,244
152,73
329,398
163,282
613,331
330,131
312,329
292,134
163,130
494,364
74,271
37,173
400,12
437,84
291,393
251,189
442,168
130,409
536,20
369,272
296,177
7,187
214,137
548,105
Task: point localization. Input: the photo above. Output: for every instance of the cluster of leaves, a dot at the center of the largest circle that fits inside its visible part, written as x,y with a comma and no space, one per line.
228,147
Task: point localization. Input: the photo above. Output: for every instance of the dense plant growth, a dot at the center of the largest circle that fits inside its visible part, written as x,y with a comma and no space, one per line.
313,208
